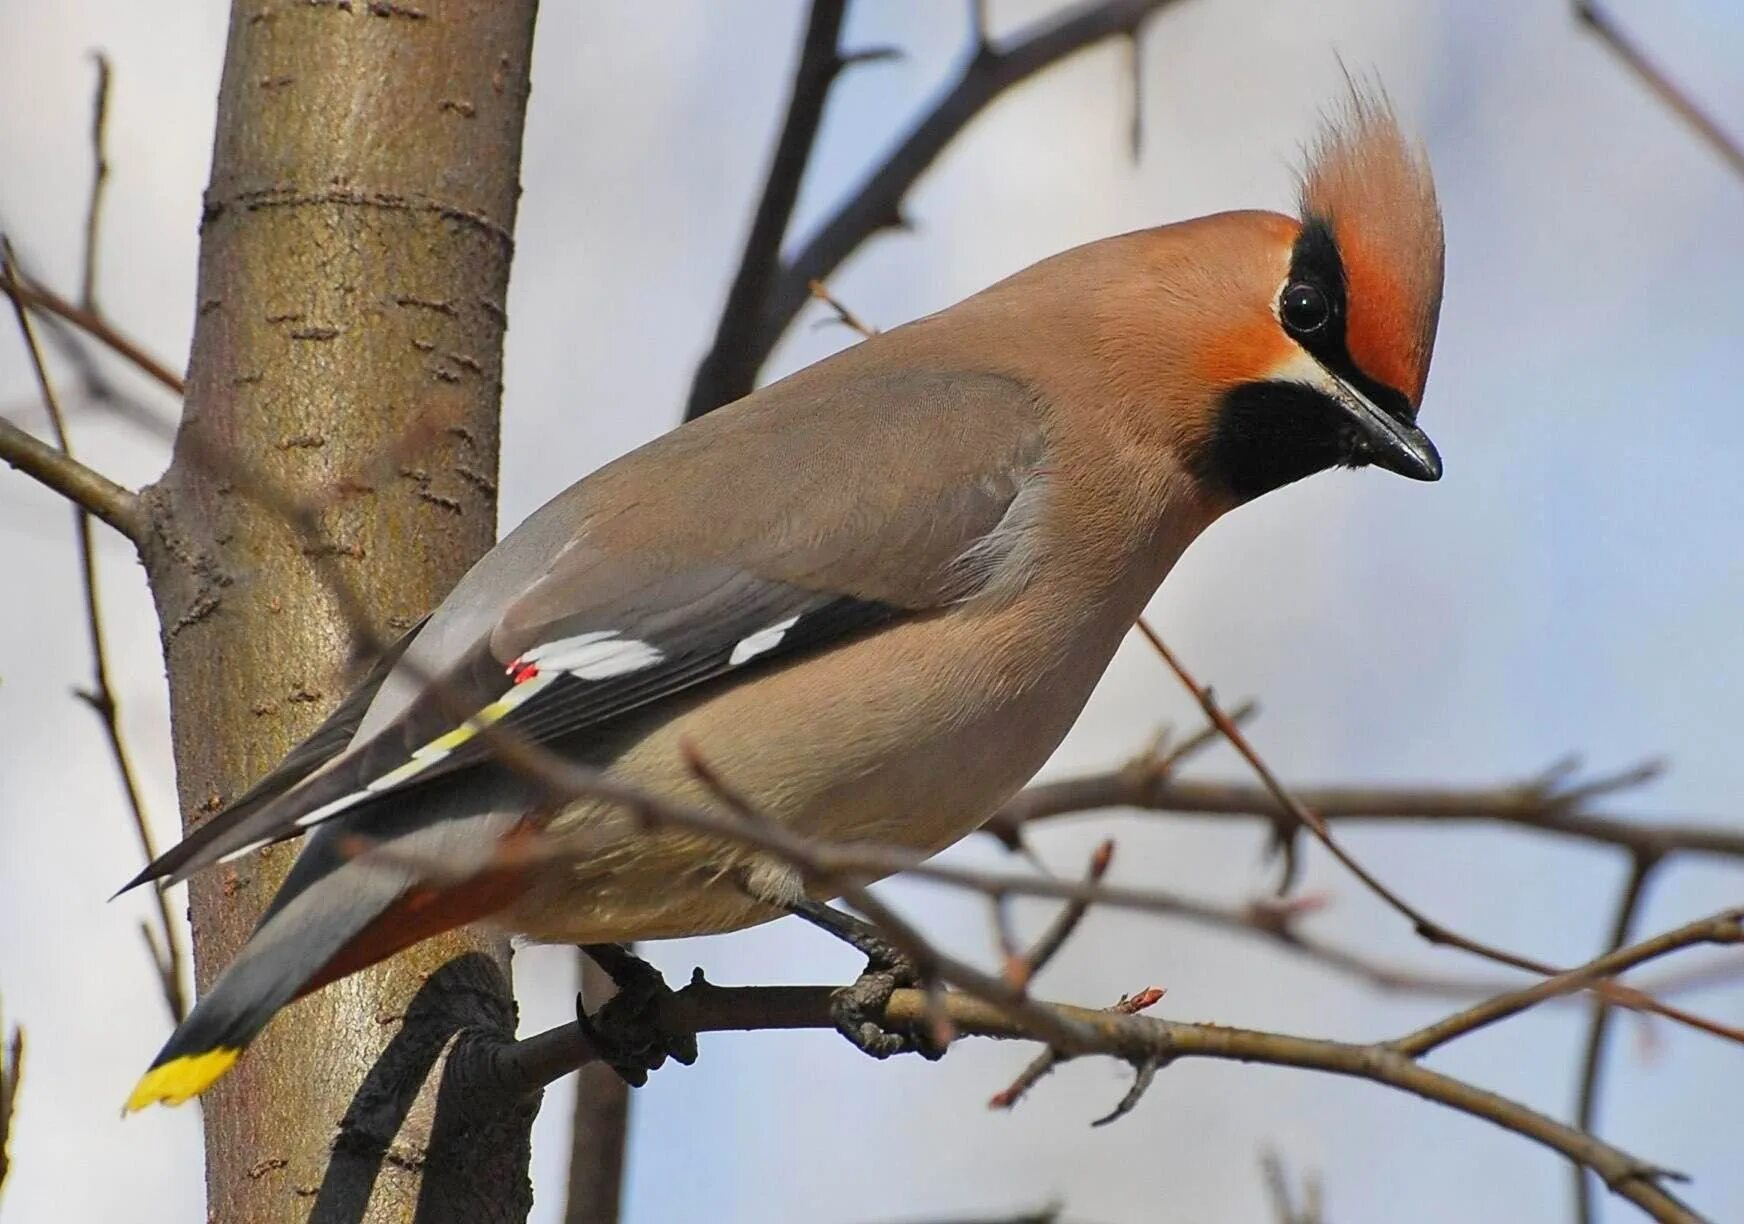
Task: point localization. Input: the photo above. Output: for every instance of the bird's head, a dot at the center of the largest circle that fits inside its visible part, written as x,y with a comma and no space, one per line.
1293,345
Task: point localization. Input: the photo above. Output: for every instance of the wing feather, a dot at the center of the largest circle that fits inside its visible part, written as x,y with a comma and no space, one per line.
736,543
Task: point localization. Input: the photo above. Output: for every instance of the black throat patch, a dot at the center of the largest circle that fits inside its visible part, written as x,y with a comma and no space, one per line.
1268,434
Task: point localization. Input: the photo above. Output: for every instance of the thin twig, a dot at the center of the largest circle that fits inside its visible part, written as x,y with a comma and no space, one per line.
1020,971
1426,927
1051,1057
1127,786
11,1067
1725,927
38,297
89,490
1277,1180
1681,104
1599,1025
848,866
167,958
99,180
844,316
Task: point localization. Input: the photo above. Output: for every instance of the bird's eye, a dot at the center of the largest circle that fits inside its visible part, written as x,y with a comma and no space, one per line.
1304,308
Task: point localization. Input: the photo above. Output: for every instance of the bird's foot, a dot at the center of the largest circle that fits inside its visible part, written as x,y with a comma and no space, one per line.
625,1032
858,1010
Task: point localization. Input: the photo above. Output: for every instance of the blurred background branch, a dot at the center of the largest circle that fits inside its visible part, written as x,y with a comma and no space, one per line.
768,291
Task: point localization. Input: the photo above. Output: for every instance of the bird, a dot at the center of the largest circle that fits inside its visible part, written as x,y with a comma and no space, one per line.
873,596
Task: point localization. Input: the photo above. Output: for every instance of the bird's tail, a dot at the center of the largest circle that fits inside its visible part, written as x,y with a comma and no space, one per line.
336,913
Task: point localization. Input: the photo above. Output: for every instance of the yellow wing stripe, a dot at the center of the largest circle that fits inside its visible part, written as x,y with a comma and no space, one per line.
181,1078
447,742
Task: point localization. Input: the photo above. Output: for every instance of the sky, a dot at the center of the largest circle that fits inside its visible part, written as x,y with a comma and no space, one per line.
1574,583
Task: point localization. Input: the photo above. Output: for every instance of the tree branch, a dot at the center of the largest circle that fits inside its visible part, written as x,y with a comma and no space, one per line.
528,1065
727,370
84,487
1526,805
38,297
11,1065
1681,104
1721,928
875,204
1599,1025
88,490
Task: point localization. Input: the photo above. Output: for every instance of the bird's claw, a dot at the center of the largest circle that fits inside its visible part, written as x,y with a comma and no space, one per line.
625,1031
858,1010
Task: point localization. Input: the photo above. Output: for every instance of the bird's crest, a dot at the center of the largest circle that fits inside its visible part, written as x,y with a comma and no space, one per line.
1373,191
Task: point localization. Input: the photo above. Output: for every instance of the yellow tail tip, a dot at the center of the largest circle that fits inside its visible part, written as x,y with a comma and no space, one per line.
181,1078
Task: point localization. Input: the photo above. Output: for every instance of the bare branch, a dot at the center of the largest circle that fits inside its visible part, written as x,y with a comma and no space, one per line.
875,205
99,180
11,1067
1525,805
83,486
1599,1025
165,948
599,1127
722,375
702,1007
38,297
1681,104
1425,927
1052,1057
1021,970
90,491
844,316
1725,927
1283,1197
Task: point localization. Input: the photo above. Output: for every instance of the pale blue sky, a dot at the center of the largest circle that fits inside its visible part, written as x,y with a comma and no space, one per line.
1575,582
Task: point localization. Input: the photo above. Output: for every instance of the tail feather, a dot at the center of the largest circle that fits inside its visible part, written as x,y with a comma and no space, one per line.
302,932
334,915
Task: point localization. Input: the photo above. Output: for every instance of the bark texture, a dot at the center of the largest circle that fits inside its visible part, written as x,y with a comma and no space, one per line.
354,261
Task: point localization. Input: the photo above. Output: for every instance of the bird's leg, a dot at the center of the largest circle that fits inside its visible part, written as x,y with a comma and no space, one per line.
858,1010
625,1031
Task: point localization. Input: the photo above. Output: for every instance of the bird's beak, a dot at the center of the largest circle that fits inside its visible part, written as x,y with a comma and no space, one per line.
1385,440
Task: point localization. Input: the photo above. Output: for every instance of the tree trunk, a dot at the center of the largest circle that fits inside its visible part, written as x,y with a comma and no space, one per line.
354,261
